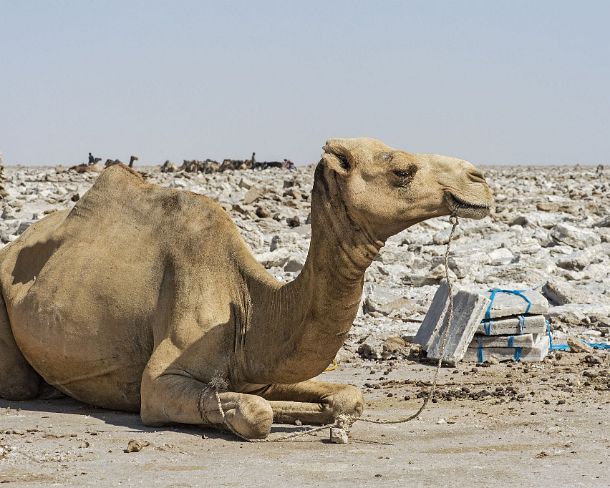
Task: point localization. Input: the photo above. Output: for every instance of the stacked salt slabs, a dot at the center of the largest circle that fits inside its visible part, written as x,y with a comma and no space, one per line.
513,327
498,324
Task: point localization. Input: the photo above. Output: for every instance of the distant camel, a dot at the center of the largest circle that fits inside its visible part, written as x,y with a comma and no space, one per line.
3,192
268,164
112,162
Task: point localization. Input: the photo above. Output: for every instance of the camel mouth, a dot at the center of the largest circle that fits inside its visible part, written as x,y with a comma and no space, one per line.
463,208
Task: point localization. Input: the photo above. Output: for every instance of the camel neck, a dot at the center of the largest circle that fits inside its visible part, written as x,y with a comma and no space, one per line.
309,318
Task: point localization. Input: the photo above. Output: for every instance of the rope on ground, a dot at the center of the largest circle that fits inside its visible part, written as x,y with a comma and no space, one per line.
454,221
332,366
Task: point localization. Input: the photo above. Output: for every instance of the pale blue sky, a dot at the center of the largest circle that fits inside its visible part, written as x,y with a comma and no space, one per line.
489,81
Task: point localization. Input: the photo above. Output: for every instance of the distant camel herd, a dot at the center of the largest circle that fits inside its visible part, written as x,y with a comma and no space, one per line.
210,166
194,165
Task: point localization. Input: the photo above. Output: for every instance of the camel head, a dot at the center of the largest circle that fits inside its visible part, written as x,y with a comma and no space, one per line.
387,190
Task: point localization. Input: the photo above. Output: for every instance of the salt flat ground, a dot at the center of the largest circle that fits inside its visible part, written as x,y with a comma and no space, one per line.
548,434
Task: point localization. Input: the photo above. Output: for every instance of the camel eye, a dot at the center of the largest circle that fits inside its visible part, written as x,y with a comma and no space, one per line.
401,173
405,175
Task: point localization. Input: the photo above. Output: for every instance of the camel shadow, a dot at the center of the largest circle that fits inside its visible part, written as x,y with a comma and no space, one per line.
126,420
32,259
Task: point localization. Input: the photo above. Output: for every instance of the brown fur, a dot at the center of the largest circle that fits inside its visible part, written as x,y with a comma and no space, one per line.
140,296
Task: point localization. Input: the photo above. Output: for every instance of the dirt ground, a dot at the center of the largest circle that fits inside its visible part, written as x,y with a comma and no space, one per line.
543,424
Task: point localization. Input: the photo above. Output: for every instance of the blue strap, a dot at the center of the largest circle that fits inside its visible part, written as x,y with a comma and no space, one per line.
548,331
487,322
480,351
487,326
517,356
594,345
511,341
565,347
554,347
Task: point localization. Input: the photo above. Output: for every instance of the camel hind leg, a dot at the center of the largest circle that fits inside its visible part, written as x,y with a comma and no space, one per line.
18,380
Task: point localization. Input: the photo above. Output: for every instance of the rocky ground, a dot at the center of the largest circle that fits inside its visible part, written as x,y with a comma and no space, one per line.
546,423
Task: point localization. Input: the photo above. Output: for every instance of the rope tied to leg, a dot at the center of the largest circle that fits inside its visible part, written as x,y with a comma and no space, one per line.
218,384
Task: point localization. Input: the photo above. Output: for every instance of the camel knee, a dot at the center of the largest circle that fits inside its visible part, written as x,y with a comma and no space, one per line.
251,418
347,400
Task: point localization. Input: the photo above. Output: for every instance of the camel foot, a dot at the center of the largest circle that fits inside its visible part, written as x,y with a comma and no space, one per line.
248,416
251,417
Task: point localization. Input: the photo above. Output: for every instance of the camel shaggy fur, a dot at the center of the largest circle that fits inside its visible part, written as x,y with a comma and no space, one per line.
140,296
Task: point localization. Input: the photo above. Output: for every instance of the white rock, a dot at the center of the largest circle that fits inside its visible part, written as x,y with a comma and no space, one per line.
338,436
270,259
245,183
501,256
386,301
562,293
579,313
574,236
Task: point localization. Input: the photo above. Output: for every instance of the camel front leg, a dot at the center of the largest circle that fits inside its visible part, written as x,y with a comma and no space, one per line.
313,402
173,398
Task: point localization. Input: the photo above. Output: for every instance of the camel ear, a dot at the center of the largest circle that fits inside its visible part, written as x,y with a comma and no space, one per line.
337,156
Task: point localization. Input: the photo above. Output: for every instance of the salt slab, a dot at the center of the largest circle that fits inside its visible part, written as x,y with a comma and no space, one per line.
468,311
526,354
531,324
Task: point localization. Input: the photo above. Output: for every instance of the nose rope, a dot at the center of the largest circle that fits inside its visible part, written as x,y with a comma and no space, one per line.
454,223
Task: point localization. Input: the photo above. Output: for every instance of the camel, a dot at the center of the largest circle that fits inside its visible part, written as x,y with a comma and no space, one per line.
3,192
132,160
168,167
269,164
86,168
211,166
147,299
112,162
233,164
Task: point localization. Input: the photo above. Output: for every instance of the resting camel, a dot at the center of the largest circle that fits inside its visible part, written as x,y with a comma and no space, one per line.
140,297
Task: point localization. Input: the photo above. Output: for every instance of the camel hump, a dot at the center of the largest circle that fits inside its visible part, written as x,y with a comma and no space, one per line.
118,191
120,172
121,199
